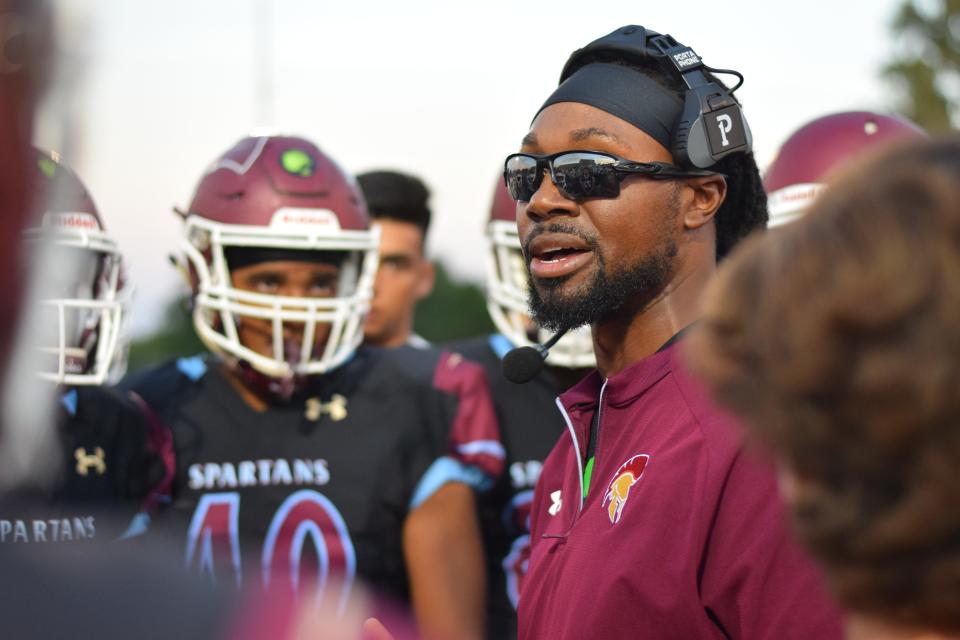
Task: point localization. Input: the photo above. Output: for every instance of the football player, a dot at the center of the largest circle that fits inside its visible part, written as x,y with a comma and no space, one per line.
112,462
303,461
398,205
527,414
813,151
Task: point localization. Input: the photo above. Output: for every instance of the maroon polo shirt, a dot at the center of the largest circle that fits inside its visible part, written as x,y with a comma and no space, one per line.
681,535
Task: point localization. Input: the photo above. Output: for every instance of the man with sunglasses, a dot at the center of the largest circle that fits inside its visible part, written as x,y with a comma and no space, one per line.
650,518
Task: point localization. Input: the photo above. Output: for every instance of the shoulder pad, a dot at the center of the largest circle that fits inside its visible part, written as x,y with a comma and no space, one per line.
167,382
418,362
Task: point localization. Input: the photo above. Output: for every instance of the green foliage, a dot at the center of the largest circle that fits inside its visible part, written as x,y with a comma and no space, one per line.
453,311
174,339
926,67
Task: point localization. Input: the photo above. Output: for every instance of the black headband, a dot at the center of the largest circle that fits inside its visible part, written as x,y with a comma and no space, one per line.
625,93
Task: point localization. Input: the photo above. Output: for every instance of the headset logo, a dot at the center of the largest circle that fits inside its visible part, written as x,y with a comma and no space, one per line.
725,124
686,59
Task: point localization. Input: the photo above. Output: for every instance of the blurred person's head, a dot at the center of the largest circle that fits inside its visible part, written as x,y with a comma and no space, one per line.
837,339
24,57
81,288
281,258
398,204
623,202
806,159
29,446
508,290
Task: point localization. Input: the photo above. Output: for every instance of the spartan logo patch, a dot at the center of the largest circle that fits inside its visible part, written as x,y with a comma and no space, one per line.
298,162
618,491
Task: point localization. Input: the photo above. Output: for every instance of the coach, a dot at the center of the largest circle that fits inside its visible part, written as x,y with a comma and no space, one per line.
650,520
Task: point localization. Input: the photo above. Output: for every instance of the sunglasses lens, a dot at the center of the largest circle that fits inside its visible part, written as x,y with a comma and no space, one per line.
586,175
522,177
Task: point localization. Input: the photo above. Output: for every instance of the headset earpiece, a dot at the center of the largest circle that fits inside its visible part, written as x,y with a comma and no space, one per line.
703,135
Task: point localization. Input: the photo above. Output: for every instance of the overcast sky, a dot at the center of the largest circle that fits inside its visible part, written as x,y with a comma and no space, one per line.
161,88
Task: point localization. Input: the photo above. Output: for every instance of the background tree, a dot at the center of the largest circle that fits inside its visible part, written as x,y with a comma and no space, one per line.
454,310
926,66
175,338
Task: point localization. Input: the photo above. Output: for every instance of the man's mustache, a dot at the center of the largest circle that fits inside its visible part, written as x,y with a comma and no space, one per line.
556,227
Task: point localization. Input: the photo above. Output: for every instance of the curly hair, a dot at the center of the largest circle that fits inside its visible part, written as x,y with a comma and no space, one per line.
837,338
745,208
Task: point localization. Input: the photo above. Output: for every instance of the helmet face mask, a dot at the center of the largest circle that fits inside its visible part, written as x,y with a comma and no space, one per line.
289,197
80,289
220,307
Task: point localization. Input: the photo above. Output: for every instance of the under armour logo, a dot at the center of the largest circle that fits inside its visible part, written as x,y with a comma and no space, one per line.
557,503
336,408
85,461
725,124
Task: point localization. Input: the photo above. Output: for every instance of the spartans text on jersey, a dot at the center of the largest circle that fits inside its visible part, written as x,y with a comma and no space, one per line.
265,472
50,530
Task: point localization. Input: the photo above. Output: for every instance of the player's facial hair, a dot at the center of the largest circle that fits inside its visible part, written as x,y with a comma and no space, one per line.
636,285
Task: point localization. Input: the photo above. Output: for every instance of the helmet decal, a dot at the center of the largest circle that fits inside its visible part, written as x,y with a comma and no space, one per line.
298,162
229,163
47,166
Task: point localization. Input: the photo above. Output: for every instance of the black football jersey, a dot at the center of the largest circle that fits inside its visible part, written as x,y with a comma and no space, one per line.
313,492
108,467
530,425
472,436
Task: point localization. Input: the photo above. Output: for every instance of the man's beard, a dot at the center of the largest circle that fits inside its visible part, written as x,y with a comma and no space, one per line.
634,287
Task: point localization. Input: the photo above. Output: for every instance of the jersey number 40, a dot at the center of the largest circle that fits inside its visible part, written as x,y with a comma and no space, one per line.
306,517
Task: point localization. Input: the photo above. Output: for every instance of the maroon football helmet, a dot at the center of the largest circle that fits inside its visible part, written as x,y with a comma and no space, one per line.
798,172
507,286
79,281
279,193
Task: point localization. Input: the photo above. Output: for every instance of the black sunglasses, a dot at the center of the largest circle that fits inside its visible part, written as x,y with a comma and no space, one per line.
582,174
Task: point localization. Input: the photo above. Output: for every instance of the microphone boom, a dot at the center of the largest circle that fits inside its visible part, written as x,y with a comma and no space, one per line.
522,364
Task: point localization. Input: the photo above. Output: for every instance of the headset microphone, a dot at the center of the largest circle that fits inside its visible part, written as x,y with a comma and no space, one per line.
522,364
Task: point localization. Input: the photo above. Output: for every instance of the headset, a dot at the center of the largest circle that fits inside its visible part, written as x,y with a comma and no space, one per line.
711,125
